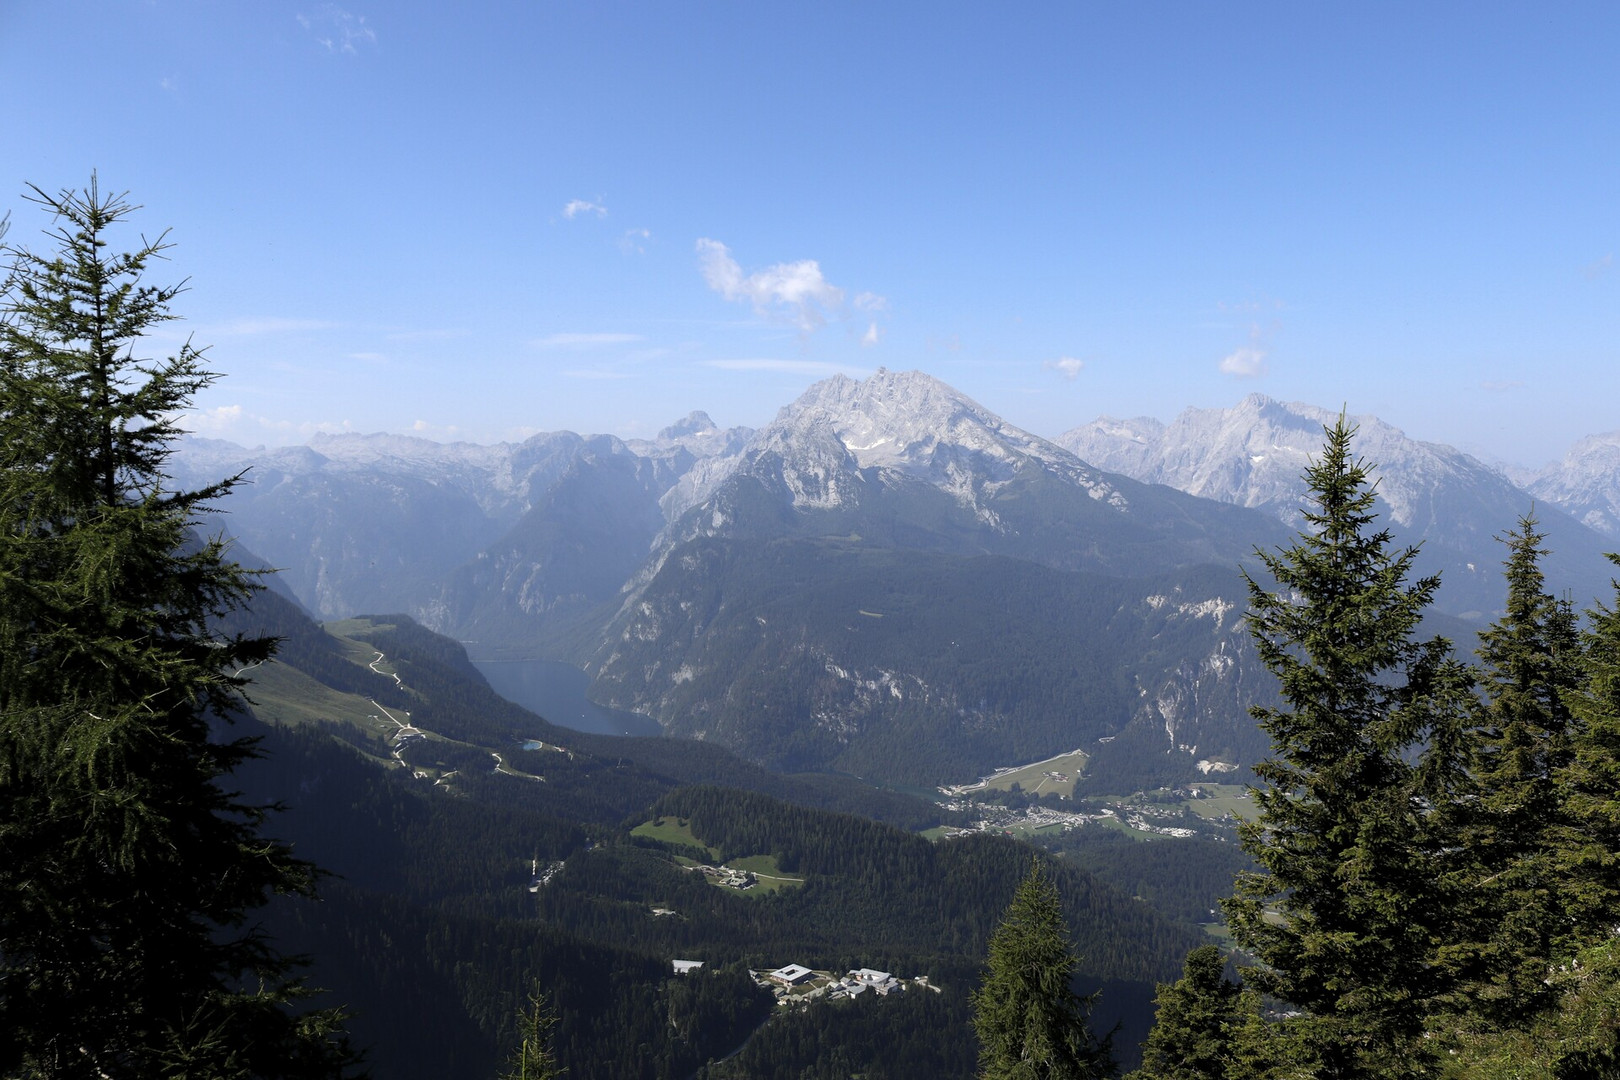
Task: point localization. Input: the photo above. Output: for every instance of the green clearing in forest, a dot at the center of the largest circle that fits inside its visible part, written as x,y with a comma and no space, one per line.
672,831
767,875
1039,778
355,648
1222,799
285,695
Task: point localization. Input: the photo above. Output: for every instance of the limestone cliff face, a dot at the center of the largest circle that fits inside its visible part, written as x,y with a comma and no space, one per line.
1255,454
1586,483
902,459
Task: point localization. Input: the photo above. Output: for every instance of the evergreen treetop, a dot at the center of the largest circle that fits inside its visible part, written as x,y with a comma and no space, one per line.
1587,842
1345,914
1030,1022
1529,667
127,872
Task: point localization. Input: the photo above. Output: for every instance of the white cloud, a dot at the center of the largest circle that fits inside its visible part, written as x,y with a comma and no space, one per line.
235,423
1245,363
576,207
214,422
1250,306
794,292
251,327
595,373
1598,267
635,240
872,335
436,431
1249,361
337,30
1067,366
584,341
795,367
426,335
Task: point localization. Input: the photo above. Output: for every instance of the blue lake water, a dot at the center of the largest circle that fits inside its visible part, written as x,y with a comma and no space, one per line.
557,692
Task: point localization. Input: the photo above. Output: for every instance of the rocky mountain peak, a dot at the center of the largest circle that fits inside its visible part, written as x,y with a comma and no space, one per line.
696,422
908,422
1586,483
1254,454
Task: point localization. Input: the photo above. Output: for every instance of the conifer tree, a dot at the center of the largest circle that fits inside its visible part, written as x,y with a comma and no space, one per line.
1192,1022
1530,664
127,872
1346,914
1587,845
1205,1027
1548,1003
1030,1022
532,1058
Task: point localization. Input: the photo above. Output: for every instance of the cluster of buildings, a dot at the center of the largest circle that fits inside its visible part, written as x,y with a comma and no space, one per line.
993,818
539,878
795,982
729,877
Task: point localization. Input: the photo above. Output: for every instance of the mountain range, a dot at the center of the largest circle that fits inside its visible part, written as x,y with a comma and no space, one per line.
888,579
1431,495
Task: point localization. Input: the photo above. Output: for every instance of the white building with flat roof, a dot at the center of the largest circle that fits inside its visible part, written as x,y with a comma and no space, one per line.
792,975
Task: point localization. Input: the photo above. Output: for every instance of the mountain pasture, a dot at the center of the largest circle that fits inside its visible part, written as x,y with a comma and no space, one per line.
1056,775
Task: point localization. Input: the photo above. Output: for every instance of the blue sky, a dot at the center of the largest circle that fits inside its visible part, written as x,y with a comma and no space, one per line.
483,220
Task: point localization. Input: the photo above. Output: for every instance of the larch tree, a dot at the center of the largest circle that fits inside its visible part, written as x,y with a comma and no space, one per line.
1347,913
1030,1022
128,874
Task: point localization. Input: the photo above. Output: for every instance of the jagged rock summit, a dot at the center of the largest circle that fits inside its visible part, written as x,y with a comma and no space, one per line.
895,425
1255,453
1586,484
914,423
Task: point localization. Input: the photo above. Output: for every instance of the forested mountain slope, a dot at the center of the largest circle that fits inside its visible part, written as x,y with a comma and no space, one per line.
929,667
432,931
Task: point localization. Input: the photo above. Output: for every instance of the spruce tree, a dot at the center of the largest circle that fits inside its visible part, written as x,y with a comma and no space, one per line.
1347,913
1587,843
128,874
1030,1022
1529,665
1547,1001
1205,1026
